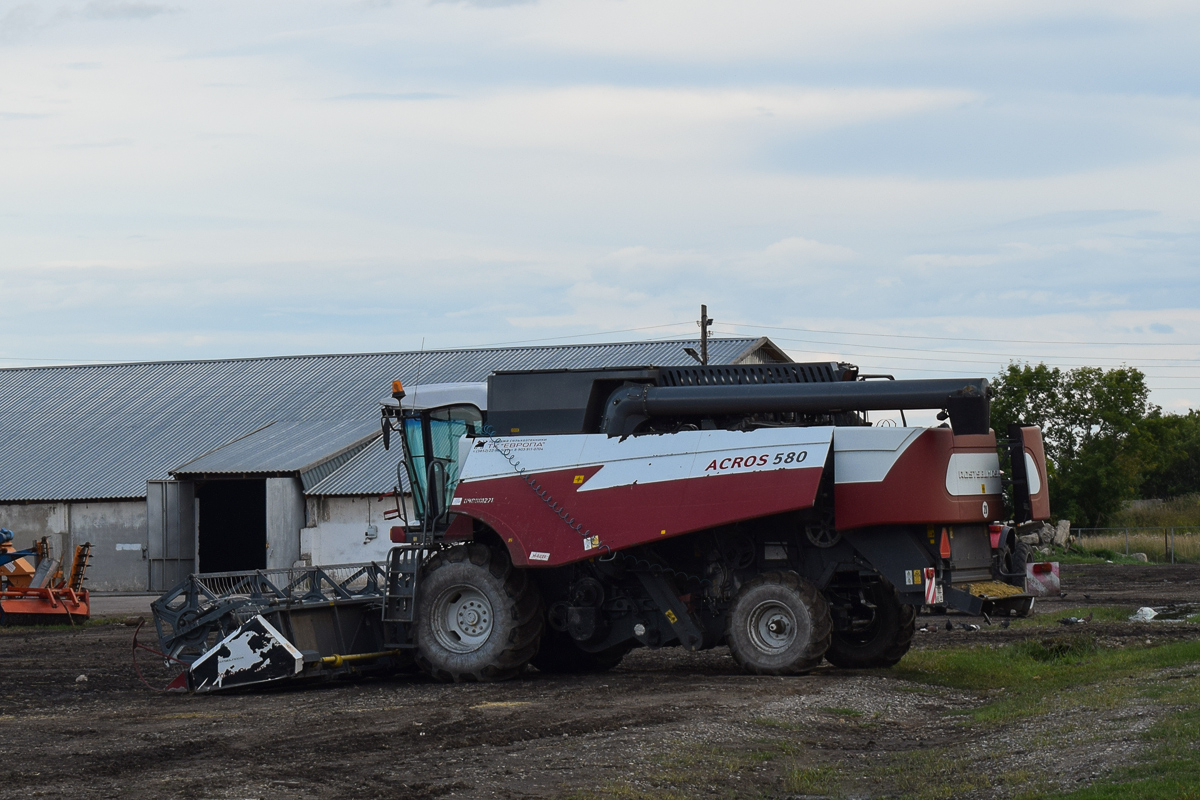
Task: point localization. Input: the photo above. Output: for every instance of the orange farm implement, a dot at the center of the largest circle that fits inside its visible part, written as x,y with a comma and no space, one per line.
33,589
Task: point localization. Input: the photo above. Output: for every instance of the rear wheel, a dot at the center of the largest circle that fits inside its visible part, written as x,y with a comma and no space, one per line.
1013,558
478,618
778,625
884,638
559,654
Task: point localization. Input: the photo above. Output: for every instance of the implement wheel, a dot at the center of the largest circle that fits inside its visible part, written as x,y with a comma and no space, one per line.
778,625
478,618
884,640
560,655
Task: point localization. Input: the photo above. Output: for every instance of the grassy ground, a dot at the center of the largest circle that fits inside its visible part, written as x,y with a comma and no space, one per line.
1079,555
1037,694
1181,513
1177,512
1061,671
1187,546
1111,549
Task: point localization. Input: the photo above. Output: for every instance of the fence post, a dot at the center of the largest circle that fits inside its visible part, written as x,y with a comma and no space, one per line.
1172,545
1127,542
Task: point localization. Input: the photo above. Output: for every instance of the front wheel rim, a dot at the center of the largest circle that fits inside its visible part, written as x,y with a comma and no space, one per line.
772,627
462,619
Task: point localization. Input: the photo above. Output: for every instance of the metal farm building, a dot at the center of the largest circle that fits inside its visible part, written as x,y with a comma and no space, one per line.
174,467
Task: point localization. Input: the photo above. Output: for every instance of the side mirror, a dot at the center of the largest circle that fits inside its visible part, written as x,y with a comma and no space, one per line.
387,434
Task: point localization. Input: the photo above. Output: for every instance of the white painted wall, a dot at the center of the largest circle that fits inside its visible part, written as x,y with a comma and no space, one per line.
337,530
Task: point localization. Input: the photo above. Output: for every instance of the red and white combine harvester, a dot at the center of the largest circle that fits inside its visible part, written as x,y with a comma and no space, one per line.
584,513
565,517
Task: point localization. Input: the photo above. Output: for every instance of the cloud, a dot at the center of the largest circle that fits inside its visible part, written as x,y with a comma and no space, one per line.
386,96
12,116
1083,218
18,20
359,177
950,261
488,3
115,10
659,123
796,249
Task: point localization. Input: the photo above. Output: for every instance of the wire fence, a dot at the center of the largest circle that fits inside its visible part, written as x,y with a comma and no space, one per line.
1166,545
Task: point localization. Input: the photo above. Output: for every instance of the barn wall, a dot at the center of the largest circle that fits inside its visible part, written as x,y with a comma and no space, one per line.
116,529
337,530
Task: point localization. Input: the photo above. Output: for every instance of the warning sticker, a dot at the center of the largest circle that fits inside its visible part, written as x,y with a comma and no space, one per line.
590,542
912,577
933,592
671,618
539,556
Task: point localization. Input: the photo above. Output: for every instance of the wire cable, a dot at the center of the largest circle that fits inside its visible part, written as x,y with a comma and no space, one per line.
962,338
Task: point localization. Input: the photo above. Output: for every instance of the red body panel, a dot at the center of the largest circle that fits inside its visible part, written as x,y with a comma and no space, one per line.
914,490
625,516
1032,437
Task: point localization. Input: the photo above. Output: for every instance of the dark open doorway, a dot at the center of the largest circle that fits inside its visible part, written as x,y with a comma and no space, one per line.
233,525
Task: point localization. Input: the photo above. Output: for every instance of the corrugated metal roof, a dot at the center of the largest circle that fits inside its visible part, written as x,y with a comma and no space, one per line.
101,431
371,472
297,446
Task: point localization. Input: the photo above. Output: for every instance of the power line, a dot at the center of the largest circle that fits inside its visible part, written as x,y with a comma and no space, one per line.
964,338
992,364
886,368
57,360
582,335
998,360
1010,356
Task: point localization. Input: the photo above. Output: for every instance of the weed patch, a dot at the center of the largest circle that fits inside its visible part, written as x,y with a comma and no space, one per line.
810,780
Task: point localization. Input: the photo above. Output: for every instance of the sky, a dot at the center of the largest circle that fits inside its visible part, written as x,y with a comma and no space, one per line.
921,188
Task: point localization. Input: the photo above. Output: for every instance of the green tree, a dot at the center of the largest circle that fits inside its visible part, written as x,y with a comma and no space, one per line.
1172,463
1090,420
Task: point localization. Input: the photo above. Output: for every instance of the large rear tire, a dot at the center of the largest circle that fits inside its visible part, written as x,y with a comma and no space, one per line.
778,624
560,655
478,618
884,640
1013,558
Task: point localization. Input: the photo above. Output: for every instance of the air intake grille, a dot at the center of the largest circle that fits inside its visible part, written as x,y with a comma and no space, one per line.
747,374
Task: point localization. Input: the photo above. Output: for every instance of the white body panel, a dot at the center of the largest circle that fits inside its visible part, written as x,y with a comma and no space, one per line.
1032,475
650,459
973,473
435,395
866,455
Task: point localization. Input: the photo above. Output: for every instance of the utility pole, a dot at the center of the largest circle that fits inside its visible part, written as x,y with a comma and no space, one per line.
704,323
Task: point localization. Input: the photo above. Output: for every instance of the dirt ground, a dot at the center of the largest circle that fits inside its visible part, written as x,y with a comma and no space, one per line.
661,716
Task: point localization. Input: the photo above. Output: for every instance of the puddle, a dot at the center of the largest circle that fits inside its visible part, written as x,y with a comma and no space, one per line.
1178,612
